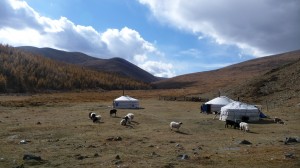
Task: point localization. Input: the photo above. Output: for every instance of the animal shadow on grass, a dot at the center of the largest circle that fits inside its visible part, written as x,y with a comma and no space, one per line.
98,122
264,121
184,133
135,122
251,132
129,126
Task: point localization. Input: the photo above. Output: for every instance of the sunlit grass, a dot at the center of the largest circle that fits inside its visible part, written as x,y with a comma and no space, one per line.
60,131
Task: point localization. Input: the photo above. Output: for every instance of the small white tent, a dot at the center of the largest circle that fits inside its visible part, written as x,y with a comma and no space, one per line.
237,110
215,104
126,102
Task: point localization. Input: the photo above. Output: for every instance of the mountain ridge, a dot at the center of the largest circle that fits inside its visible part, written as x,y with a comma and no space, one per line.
114,65
22,72
230,75
240,75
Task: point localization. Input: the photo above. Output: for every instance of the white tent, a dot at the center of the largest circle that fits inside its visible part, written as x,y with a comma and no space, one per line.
237,110
126,102
215,104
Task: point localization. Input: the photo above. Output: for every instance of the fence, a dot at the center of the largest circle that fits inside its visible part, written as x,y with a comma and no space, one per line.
183,98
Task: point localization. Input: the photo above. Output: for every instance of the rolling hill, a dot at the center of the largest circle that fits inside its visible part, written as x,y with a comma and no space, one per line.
270,77
58,55
213,80
22,71
280,86
115,65
120,66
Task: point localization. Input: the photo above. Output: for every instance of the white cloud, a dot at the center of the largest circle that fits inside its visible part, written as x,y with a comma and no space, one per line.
159,68
126,43
22,25
192,52
140,58
18,37
257,27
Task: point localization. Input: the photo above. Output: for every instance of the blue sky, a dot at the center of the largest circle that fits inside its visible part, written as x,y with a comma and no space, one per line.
165,37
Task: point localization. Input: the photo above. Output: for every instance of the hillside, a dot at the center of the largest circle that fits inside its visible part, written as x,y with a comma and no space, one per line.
280,86
24,72
120,66
58,55
209,81
115,65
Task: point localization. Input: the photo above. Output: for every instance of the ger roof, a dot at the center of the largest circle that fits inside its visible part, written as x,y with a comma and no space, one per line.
125,98
239,105
222,100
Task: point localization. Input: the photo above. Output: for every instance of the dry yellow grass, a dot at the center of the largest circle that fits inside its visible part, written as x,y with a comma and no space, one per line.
66,137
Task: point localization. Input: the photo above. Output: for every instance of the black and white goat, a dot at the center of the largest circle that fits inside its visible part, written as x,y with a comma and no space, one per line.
130,117
94,117
127,119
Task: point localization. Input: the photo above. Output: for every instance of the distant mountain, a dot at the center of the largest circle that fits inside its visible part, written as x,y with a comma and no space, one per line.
115,65
121,66
228,79
58,55
21,71
208,81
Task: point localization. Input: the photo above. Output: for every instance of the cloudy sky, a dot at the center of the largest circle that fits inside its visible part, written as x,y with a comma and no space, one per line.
165,37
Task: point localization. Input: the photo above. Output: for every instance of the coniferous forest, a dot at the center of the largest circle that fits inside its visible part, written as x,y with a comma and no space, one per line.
22,72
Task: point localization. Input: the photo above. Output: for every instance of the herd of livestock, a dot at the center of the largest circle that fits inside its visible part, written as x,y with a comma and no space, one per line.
126,120
244,126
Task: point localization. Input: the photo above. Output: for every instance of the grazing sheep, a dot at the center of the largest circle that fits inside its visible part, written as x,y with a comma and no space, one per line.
130,117
278,120
96,118
127,119
123,122
244,126
90,115
93,116
174,124
113,111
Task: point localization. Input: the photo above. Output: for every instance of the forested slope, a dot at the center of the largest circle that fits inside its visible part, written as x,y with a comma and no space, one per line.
24,72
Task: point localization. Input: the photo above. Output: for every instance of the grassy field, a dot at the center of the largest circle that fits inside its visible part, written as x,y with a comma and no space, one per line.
58,130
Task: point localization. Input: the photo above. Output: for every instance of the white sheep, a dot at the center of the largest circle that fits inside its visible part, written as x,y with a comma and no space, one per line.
244,126
130,117
174,124
127,119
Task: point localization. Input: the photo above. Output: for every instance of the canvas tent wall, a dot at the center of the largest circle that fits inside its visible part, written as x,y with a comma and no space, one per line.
215,104
126,102
237,110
